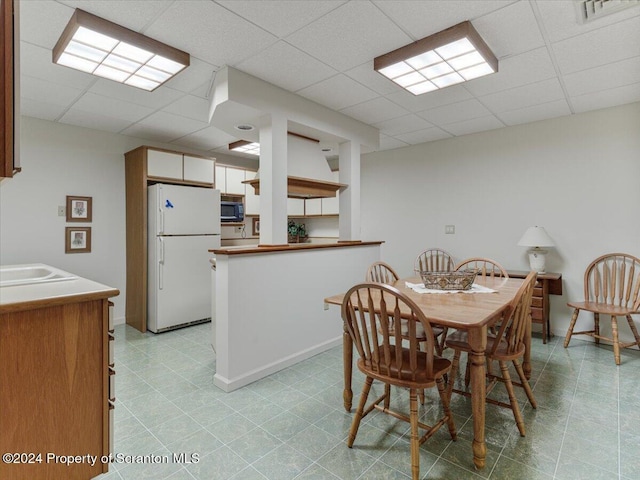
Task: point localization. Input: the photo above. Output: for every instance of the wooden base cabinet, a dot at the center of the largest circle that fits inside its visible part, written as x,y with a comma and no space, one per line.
55,396
547,284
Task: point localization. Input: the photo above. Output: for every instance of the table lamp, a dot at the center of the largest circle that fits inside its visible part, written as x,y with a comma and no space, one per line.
536,237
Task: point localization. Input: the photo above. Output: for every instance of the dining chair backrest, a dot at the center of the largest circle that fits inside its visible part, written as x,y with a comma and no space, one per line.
513,328
614,279
381,272
484,266
372,314
434,260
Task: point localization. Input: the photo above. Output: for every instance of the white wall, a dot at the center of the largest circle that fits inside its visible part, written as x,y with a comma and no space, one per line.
577,176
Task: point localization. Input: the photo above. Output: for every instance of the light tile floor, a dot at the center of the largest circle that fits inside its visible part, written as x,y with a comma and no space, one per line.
292,425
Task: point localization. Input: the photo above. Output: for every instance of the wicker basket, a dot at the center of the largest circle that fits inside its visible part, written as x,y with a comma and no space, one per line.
462,280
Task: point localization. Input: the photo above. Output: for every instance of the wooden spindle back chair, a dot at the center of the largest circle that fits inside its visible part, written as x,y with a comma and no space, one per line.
484,266
611,287
434,260
374,314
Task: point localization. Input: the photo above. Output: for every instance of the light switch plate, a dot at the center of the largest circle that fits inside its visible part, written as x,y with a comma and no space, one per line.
449,229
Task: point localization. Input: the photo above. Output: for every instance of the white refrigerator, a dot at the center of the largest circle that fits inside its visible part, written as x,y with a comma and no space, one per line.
183,225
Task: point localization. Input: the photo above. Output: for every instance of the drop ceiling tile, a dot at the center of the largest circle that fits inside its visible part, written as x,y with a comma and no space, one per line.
557,108
455,112
209,32
301,69
367,76
389,143
607,98
281,17
374,111
132,14
562,20
349,35
190,106
192,76
423,136
109,107
204,89
599,47
94,120
41,90
338,92
404,124
426,18
529,67
41,23
40,109
36,62
525,96
437,98
149,133
510,30
475,125
159,98
208,138
168,125
608,76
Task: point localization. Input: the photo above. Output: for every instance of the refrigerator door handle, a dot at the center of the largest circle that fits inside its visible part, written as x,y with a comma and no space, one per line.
161,265
160,210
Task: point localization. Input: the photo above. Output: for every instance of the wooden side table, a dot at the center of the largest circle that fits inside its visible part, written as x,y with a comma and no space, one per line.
548,284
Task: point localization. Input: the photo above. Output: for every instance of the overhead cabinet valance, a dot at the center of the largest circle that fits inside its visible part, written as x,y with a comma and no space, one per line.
304,187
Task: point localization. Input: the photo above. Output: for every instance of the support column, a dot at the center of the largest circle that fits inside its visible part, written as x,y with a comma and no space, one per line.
349,198
273,180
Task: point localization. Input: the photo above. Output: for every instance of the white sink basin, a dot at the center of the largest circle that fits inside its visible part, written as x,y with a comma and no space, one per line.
11,275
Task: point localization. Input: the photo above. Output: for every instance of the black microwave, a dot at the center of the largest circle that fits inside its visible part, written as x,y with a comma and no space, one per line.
231,212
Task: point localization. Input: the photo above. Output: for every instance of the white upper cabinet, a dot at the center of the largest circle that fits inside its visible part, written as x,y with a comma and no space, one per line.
251,200
221,178
164,164
178,166
198,169
313,206
235,177
330,205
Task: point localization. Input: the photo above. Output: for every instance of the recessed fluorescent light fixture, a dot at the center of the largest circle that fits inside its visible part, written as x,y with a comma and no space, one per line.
100,47
449,57
244,146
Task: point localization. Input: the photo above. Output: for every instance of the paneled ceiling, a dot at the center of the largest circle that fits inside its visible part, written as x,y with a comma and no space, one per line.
551,64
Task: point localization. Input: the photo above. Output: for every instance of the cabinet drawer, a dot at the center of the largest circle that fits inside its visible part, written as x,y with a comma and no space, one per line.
112,417
111,304
537,302
536,314
537,291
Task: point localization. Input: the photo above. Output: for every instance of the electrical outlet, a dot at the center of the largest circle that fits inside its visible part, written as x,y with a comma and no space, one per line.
62,211
449,229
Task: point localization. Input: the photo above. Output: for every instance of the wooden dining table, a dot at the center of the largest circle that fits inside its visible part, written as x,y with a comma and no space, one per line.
471,312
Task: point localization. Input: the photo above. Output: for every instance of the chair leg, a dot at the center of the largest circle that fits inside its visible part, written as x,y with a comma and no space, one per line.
387,395
423,346
525,383
634,330
572,324
452,373
596,327
512,397
353,431
442,391
616,342
415,437
467,372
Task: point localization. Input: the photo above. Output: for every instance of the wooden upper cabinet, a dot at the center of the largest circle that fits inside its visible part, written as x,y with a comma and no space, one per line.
9,93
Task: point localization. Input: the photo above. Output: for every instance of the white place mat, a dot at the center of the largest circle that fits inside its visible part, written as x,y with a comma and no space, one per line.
475,288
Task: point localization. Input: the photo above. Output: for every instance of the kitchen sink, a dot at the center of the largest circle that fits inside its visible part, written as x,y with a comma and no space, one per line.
36,273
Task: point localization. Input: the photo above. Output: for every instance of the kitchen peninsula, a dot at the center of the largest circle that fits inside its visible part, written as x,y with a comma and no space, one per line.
269,305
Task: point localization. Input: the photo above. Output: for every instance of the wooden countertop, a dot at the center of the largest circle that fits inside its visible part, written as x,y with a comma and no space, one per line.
292,247
31,296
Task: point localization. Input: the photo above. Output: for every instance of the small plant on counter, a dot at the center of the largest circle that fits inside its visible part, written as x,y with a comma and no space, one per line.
297,232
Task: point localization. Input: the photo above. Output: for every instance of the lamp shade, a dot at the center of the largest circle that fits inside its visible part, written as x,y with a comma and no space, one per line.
536,237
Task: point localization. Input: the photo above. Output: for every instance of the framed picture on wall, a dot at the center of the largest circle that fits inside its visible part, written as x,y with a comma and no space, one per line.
79,209
255,226
77,240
